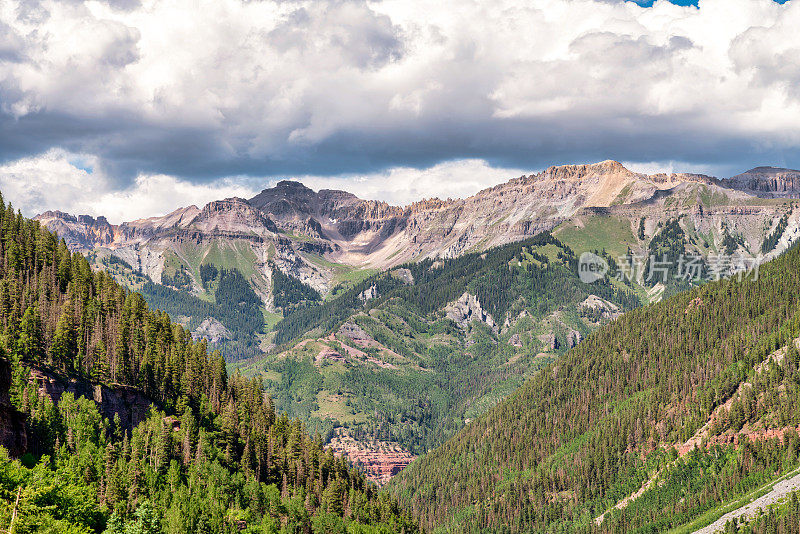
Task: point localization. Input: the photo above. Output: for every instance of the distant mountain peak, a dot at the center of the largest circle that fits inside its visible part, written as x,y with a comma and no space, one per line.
770,170
56,214
610,165
605,166
292,184
767,181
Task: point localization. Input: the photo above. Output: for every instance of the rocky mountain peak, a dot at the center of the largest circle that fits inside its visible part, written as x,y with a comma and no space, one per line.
296,208
609,165
232,215
56,214
287,199
576,172
88,219
767,181
292,185
232,203
81,232
770,171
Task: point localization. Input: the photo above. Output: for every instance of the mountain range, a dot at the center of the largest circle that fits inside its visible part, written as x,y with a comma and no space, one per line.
356,295
290,225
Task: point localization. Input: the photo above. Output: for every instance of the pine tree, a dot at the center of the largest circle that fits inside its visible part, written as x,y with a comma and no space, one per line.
109,491
147,521
29,346
116,525
64,347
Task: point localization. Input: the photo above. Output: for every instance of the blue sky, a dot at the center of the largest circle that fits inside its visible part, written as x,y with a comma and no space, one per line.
649,3
108,106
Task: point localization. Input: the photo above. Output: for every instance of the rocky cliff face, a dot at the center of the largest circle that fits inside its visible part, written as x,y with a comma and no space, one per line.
467,309
767,182
378,460
81,232
602,308
232,216
126,402
212,330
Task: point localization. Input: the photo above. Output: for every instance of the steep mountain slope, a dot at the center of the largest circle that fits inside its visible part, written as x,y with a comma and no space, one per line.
348,230
669,412
118,419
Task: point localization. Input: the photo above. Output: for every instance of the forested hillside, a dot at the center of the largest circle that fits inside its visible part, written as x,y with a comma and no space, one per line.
210,456
692,400
504,280
230,302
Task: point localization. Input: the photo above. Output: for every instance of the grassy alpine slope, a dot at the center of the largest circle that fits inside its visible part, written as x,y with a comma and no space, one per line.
622,408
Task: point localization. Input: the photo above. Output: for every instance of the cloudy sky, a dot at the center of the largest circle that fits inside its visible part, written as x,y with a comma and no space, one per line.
131,108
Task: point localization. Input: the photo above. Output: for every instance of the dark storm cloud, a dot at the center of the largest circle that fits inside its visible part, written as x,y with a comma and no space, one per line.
128,147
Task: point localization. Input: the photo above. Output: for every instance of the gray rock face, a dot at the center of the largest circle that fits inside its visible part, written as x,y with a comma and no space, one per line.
355,332
129,403
467,309
767,182
606,309
515,341
573,338
368,294
80,233
212,330
234,216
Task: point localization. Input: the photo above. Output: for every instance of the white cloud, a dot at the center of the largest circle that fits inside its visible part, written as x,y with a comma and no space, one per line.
668,167
350,87
76,184
404,185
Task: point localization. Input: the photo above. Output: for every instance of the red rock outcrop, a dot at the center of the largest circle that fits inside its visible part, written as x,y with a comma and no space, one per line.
378,460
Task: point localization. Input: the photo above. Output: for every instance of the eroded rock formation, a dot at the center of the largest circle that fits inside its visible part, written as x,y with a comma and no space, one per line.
467,309
378,460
